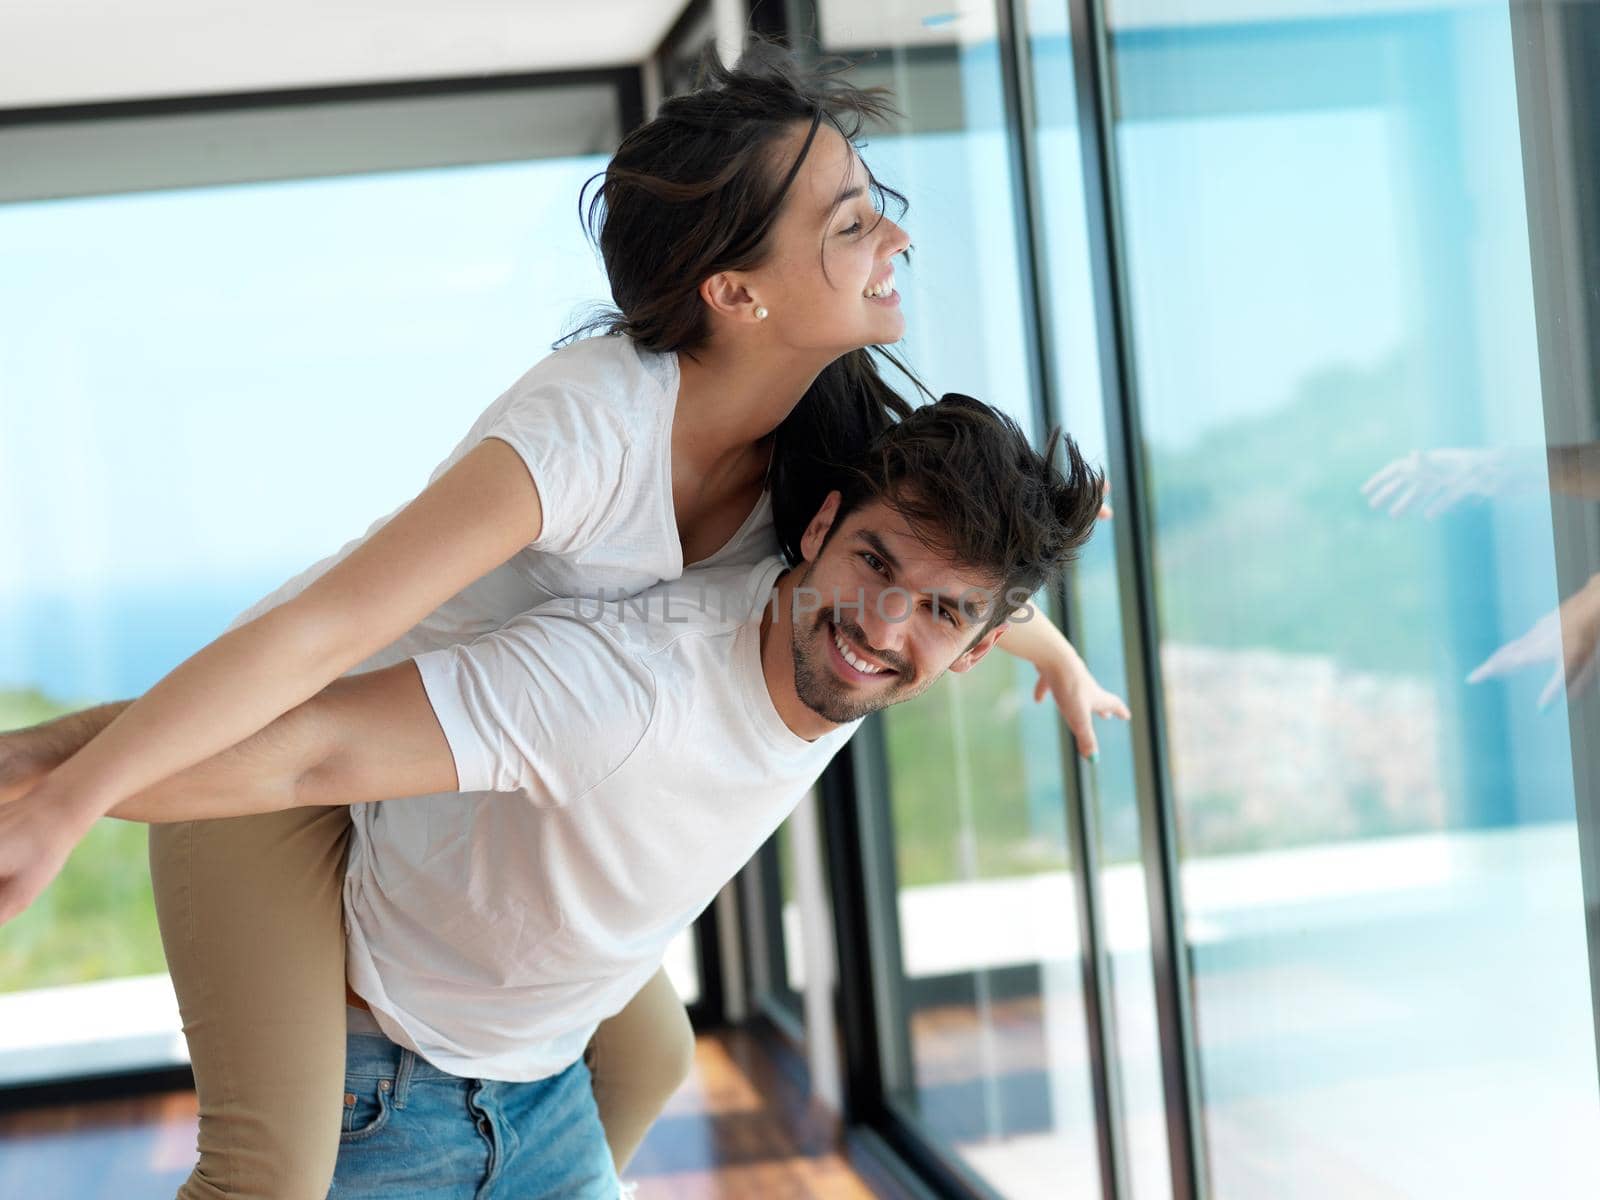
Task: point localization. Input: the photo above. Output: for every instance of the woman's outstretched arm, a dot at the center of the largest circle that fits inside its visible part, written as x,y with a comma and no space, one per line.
366,737
469,521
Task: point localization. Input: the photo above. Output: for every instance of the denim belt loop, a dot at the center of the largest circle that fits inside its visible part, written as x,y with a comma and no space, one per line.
402,1076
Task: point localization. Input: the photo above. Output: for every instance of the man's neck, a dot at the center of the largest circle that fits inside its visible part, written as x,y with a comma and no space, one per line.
777,662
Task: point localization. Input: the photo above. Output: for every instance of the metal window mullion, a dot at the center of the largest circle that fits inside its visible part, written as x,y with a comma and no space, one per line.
1158,826
1100,1031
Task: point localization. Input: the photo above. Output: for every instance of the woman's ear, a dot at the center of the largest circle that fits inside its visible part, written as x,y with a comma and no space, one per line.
817,531
725,294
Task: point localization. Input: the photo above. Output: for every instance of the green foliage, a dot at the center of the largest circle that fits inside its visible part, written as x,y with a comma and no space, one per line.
20,709
97,920
1263,537
972,732
1263,540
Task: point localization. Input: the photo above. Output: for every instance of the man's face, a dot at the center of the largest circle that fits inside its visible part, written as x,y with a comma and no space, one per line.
878,615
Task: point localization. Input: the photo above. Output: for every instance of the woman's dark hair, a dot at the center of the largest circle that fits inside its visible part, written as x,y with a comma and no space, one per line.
696,191
973,489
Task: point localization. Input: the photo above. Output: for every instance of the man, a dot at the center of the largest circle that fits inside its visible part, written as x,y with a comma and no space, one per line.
648,748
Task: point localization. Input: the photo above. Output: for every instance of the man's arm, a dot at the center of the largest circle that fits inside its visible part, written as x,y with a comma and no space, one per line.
28,755
376,737
367,737
364,737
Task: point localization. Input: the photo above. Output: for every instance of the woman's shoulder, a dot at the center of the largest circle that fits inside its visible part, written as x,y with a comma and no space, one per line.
609,369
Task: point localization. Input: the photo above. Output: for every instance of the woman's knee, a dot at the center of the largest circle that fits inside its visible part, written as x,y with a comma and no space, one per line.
677,1049
297,1173
651,1040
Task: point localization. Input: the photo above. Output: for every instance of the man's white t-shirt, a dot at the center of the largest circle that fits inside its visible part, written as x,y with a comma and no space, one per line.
635,761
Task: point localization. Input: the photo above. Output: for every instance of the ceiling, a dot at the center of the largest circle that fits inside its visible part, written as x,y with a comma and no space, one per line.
82,51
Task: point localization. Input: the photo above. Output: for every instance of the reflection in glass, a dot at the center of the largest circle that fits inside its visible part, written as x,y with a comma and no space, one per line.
1328,251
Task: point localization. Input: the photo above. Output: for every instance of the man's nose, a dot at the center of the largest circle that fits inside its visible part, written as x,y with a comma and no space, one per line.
884,619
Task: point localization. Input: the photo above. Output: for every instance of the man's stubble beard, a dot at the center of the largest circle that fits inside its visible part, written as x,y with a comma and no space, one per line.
815,684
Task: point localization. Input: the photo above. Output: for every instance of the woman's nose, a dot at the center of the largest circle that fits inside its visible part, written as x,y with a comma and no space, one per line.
899,241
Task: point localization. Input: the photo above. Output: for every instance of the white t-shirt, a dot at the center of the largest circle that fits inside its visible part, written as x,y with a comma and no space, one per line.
593,421
645,763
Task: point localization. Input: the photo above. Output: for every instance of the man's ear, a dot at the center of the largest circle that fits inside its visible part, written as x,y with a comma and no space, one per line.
725,294
817,532
971,658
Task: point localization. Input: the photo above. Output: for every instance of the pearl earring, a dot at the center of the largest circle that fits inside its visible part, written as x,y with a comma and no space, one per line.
761,313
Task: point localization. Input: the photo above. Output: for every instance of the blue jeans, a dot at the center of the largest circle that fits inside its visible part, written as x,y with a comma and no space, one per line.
412,1130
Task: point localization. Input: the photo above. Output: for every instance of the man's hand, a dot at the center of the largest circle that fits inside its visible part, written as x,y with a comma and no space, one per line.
37,832
1079,696
21,767
28,755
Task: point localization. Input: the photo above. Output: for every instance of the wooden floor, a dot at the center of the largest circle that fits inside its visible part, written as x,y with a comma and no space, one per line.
740,1128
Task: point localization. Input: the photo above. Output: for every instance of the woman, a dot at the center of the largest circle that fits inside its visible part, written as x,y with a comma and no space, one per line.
750,266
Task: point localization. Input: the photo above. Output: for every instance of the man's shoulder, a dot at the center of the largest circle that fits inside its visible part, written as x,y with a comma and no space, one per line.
676,617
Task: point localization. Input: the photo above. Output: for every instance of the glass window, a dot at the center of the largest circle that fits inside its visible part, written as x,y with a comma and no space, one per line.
1073,346
203,390
991,1058
793,942
1330,289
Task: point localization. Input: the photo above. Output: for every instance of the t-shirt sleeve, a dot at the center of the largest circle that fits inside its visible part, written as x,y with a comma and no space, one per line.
574,448
547,705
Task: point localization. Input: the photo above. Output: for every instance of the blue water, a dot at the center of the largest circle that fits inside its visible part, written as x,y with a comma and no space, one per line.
94,645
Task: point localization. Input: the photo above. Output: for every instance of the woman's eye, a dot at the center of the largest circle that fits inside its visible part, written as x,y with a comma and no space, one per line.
853,227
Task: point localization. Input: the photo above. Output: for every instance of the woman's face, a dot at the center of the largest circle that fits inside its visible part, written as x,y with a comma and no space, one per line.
828,283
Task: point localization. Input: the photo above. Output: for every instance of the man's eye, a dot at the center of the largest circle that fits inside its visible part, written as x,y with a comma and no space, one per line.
872,560
948,614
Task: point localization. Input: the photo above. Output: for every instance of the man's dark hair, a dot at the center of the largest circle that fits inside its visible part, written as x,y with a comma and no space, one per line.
973,489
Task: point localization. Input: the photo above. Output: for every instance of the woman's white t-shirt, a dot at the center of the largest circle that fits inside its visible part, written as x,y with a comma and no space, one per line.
593,422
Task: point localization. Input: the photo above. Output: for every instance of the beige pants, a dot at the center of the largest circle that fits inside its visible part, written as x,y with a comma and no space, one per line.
252,921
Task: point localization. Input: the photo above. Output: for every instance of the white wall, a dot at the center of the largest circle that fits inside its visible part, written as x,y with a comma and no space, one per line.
77,51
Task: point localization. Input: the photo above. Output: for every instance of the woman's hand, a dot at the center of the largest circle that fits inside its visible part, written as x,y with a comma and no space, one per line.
37,832
1439,480
1566,639
1078,695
